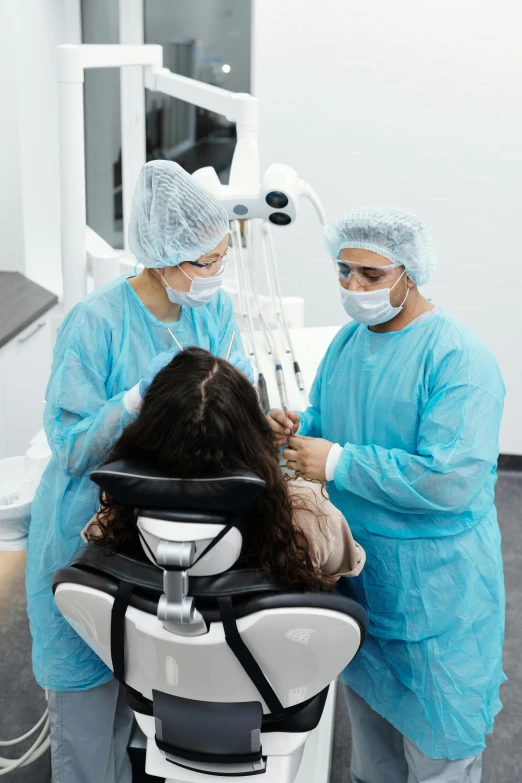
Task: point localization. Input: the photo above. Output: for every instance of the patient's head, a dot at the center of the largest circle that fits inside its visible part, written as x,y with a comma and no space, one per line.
201,417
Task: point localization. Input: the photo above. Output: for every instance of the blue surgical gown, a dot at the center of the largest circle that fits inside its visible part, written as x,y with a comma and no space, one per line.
103,349
418,413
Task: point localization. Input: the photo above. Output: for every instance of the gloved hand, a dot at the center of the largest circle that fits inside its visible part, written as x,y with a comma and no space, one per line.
158,363
242,363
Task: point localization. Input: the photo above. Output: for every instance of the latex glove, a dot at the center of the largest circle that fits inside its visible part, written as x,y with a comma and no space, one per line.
242,363
158,363
308,456
282,425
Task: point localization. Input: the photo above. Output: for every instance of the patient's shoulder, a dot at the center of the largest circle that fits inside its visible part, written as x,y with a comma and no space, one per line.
312,495
313,511
331,545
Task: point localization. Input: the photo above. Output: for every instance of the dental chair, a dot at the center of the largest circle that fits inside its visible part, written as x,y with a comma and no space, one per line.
226,670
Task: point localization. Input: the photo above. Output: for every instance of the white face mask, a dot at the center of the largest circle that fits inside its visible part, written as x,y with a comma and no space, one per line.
371,307
202,290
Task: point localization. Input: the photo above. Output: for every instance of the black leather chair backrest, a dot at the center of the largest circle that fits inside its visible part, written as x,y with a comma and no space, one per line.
135,483
251,590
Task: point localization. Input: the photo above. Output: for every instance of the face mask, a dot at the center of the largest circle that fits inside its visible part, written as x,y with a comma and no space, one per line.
201,291
371,307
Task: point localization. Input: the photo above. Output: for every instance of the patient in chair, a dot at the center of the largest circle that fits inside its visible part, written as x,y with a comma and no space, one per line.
201,417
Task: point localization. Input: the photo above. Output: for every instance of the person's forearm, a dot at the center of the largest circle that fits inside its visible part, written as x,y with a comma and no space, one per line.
409,483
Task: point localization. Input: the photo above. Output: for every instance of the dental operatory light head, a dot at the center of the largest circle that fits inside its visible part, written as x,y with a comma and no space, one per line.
275,199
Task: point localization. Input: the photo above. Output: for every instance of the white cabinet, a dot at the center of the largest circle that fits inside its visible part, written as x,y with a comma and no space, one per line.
25,366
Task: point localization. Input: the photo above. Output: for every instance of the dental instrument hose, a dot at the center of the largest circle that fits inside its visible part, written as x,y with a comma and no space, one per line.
245,312
272,347
37,749
277,298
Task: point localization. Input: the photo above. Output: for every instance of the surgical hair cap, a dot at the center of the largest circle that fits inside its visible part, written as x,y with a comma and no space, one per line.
173,218
393,233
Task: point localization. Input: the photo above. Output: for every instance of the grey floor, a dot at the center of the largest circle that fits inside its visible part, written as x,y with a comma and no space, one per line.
503,756
22,702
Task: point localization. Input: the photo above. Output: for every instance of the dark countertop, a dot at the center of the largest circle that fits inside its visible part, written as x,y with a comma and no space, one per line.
21,303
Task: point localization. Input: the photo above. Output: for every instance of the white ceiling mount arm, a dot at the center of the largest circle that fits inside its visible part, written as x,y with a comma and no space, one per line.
245,169
72,62
240,108
132,108
308,192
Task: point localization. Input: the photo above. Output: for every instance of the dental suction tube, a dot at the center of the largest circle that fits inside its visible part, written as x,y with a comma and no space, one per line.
277,299
245,311
278,367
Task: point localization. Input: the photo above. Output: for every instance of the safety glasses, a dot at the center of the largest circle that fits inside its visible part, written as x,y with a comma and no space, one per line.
212,268
365,275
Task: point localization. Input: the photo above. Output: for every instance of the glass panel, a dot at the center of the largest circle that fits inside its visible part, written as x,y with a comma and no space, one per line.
208,40
102,126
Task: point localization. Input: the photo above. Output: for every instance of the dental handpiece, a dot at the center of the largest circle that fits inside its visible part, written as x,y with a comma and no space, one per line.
263,393
229,351
175,339
280,378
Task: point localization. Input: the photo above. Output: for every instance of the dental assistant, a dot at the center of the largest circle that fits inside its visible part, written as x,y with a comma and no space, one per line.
108,350
404,424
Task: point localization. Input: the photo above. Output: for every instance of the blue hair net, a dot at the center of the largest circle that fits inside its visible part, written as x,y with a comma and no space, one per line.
393,233
173,218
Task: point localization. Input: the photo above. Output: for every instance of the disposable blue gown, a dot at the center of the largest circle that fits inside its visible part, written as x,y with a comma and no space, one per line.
419,411
103,349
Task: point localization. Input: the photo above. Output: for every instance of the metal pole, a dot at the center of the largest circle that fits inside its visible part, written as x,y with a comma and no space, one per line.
132,108
72,185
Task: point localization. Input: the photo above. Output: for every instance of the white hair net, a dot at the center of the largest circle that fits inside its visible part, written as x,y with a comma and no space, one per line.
173,218
393,233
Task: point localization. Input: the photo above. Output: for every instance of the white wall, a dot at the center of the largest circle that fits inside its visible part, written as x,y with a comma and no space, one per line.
417,105
29,183
11,219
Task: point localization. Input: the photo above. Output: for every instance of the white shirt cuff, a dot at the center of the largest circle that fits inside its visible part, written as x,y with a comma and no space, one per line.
332,460
132,399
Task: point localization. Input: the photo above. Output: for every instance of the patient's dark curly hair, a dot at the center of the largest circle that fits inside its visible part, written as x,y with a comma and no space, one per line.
201,417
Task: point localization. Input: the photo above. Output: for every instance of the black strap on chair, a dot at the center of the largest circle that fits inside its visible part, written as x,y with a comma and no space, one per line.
245,657
119,608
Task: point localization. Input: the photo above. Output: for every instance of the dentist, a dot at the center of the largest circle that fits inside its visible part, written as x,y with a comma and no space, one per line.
109,349
404,425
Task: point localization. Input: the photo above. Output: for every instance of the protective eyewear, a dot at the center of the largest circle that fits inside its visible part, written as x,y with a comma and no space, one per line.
211,268
365,275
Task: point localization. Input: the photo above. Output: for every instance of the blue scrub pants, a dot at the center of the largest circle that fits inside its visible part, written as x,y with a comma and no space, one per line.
381,754
90,731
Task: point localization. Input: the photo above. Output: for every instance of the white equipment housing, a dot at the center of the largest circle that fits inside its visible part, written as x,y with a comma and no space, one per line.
226,670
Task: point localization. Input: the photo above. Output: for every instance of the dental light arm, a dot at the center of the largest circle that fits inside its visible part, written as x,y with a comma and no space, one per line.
240,108
72,62
308,192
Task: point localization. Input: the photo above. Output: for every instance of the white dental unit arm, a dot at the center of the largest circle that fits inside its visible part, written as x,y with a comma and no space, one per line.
275,198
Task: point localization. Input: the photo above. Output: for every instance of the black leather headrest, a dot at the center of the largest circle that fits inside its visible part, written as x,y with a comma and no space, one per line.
136,483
